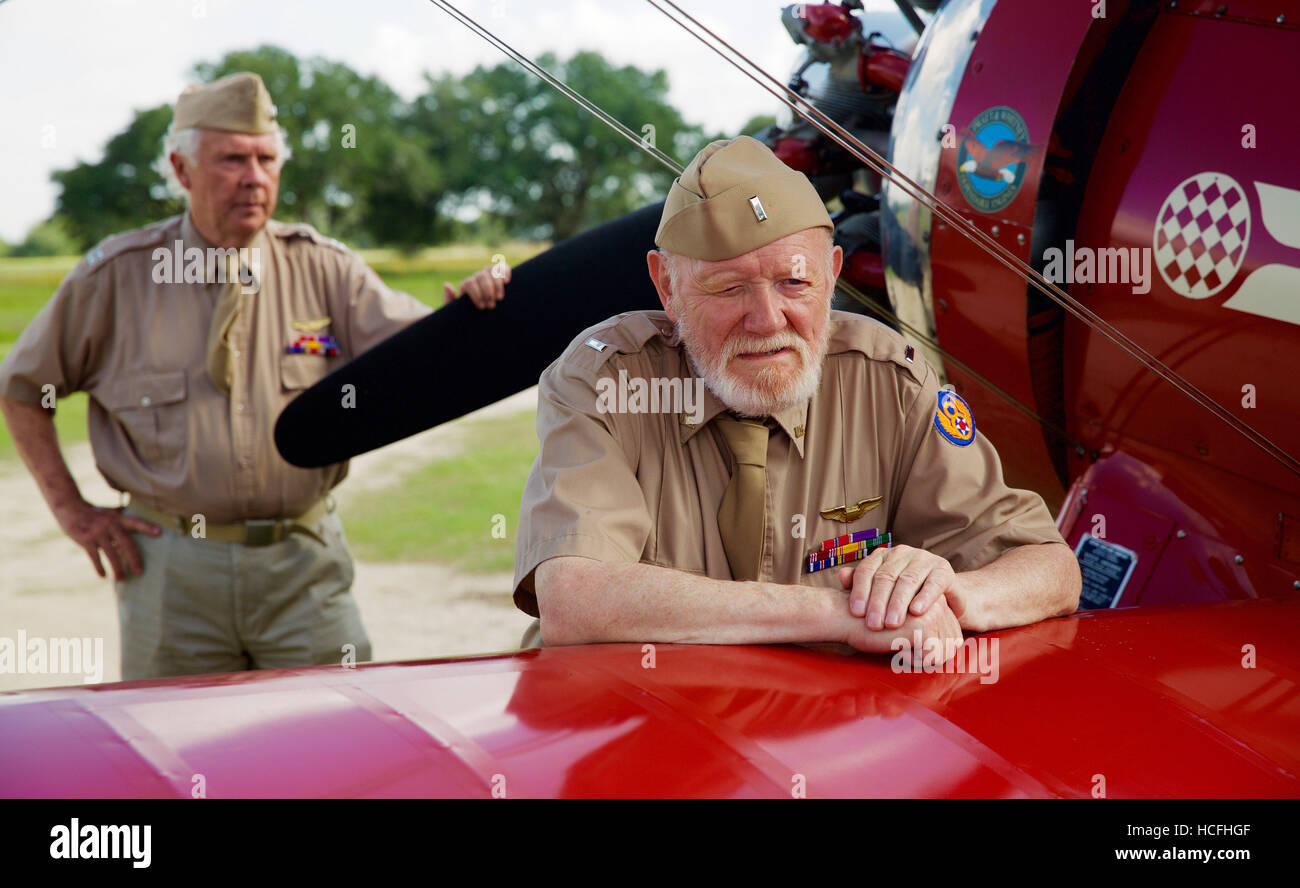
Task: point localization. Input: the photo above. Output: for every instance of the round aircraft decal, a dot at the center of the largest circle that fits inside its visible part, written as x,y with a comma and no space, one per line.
1201,234
991,159
953,419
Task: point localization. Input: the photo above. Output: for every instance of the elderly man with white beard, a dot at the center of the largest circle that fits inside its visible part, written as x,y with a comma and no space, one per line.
826,490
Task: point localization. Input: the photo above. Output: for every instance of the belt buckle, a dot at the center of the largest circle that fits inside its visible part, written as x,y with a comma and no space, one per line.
260,532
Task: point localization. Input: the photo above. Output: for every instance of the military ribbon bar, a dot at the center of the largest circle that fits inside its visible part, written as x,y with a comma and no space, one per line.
820,560
847,538
313,344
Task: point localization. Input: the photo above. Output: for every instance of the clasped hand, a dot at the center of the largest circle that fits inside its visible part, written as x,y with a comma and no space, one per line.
890,584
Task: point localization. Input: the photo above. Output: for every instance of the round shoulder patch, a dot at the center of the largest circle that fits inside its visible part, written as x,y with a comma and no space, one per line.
953,419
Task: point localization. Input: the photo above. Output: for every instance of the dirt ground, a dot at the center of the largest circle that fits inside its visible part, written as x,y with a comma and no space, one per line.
48,587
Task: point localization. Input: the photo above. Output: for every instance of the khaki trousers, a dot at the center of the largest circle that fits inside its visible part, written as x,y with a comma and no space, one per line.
208,606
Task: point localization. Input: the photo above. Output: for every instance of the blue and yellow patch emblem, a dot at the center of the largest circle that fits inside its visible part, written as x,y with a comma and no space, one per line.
953,419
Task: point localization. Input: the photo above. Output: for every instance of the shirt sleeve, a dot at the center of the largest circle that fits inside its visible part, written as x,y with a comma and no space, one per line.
375,311
954,501
63,346
582,496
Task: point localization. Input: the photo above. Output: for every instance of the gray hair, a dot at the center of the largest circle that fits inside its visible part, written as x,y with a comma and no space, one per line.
673,266
185,142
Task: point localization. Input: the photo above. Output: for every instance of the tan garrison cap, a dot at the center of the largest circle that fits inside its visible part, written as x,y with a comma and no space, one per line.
239,103
733,197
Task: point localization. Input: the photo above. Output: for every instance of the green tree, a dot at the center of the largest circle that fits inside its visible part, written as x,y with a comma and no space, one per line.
121,191
539,161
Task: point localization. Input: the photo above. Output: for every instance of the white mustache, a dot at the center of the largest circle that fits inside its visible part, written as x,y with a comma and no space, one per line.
754,345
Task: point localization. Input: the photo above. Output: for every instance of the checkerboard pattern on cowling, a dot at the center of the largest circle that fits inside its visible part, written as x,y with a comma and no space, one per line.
1201,235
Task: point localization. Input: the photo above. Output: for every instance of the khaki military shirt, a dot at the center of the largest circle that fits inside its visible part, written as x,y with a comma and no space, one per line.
160,430
645,486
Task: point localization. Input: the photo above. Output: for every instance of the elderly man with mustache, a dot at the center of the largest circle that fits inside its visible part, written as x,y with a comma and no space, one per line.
706,525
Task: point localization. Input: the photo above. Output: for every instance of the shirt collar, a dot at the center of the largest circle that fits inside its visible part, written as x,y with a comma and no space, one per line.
190,233
794,421
191,237
710,406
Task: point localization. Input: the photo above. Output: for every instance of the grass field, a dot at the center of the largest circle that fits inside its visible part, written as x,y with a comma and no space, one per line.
27,284
447,511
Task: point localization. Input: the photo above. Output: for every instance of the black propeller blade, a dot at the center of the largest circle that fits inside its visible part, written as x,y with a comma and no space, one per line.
460,358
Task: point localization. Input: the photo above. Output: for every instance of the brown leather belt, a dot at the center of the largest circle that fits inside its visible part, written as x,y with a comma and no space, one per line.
258,532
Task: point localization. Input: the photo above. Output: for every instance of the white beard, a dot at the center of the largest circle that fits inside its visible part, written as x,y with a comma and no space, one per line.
773,389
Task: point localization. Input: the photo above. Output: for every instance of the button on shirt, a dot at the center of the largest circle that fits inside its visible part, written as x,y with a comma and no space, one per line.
636,485
125,329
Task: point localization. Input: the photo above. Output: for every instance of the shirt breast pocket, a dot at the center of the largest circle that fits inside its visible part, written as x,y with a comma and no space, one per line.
151,408
300,371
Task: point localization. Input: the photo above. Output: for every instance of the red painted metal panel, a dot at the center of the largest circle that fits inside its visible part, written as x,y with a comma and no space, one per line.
1173,123
1153,699
1172,129
1205,520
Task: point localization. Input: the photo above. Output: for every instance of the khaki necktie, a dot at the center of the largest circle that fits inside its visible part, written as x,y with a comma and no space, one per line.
743,511
220,368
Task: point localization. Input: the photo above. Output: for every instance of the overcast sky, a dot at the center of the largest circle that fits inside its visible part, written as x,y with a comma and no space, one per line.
74,71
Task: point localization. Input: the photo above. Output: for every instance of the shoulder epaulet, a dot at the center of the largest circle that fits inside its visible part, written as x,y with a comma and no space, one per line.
625,334
301,230
115,245
852,332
